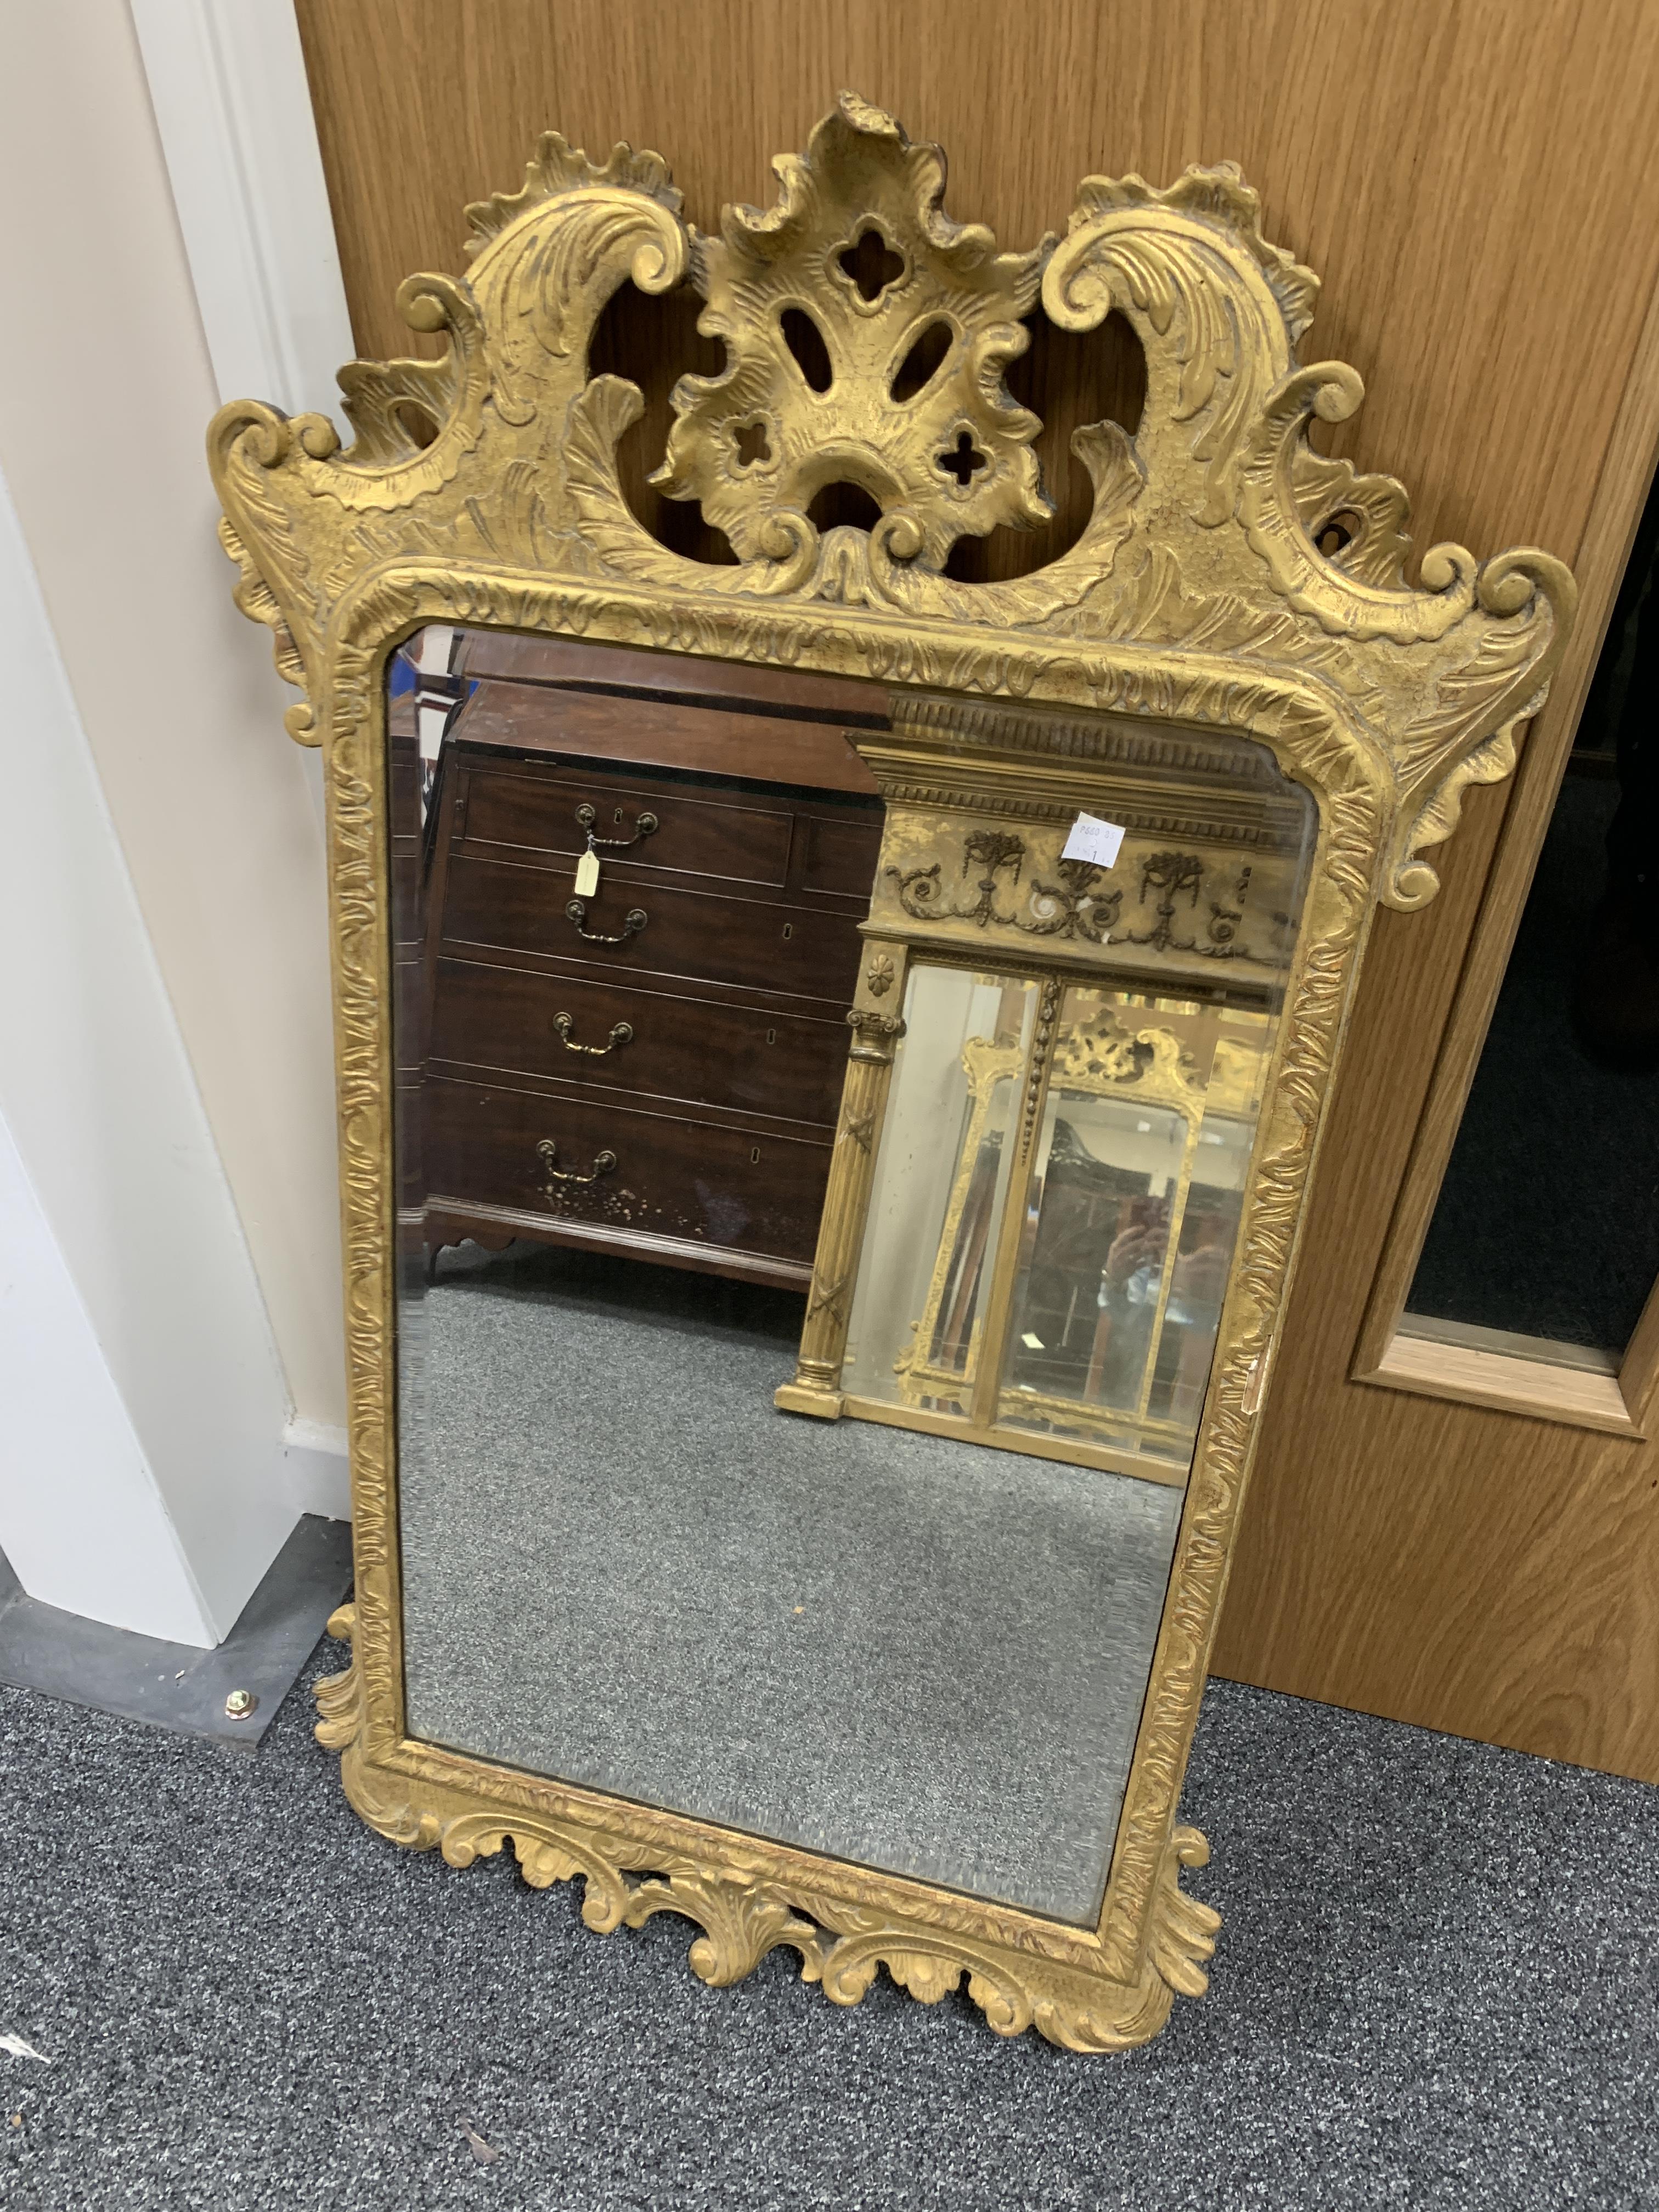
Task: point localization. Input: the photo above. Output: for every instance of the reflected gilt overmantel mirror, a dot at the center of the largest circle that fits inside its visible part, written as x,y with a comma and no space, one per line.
833,1039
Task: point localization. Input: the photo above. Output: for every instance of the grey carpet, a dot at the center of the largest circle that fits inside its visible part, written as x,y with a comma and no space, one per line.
1435,1989
624,1567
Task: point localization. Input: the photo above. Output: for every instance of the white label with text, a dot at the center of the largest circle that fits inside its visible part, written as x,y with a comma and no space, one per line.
1091,839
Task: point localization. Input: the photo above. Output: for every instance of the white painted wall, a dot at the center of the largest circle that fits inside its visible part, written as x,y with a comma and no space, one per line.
171,1388
141,1475
227,81
73,1457
227,85
106,386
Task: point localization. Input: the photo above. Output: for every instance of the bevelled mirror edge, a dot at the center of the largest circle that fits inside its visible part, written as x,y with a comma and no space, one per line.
1199,596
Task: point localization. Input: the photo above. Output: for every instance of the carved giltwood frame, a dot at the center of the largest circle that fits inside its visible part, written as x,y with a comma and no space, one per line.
1197,598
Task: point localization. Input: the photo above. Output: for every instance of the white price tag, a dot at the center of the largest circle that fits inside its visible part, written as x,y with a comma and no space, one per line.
1091,839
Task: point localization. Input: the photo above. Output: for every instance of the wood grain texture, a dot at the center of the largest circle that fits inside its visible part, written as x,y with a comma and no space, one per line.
1470,1569
1620,496
1462,180
1469,1375
1638,1372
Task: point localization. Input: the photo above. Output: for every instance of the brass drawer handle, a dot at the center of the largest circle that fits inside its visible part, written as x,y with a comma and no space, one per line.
645,825
633,922
604,1164
622,1034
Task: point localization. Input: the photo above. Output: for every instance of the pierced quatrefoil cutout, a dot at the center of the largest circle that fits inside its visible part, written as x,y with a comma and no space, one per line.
872,332
870,265
963,461
751,445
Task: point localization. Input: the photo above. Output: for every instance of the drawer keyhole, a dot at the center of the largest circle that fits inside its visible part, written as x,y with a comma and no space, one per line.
771,1036
754,1157
788,929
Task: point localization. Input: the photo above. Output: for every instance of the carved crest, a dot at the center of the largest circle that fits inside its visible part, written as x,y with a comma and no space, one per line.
916,317
1203,535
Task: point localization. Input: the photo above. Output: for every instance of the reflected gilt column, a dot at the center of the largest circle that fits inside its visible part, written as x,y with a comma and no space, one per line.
817,1386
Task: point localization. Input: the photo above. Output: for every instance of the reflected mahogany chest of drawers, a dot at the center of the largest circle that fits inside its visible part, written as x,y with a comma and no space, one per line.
652,1065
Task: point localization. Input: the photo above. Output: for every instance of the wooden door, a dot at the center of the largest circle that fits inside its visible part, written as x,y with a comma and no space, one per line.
1470,184
1451,1526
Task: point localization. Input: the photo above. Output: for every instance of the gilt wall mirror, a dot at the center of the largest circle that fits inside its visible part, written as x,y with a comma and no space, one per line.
831,1051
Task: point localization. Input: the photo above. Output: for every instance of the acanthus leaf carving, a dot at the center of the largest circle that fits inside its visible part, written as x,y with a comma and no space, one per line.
742,1921
339,1697
1468,731
1184,1928
1218,310
556,169
1330,492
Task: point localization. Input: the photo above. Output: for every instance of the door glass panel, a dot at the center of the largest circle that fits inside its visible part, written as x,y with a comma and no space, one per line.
1545,1238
